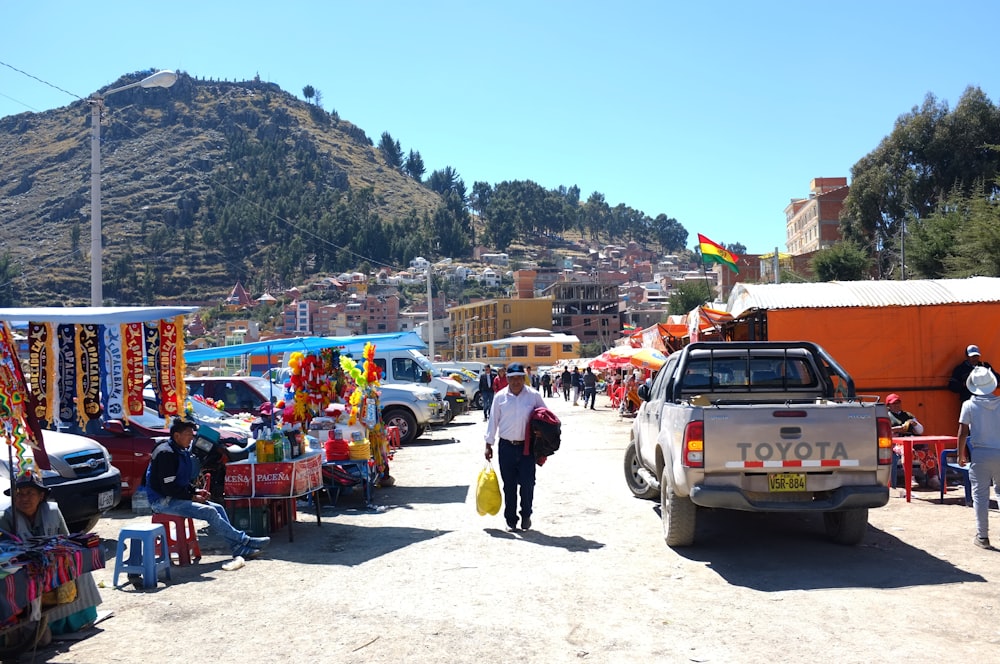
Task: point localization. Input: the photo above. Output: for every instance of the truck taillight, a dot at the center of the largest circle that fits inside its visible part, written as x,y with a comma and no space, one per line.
694,445
884,428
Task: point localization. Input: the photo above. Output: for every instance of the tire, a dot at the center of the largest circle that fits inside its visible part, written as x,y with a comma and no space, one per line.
678,514
420,431
477,401
397,417
847,527
638,486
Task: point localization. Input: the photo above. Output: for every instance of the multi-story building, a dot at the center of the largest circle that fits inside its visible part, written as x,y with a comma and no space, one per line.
490,320
814,223
588,310
298,317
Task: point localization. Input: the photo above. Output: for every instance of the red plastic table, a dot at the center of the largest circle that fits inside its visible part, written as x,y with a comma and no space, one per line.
938,442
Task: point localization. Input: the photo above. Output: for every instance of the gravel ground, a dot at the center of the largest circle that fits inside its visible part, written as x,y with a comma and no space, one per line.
424,578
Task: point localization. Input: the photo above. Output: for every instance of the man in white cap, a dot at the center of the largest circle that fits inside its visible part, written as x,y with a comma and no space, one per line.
979,434
958,377
509,417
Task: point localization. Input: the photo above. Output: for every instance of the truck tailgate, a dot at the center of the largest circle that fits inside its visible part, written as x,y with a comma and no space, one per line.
810,438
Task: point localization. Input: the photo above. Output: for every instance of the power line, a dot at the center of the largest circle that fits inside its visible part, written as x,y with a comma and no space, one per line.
42,81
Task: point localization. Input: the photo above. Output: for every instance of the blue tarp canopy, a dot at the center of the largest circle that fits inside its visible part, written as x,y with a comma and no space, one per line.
354,345
90,315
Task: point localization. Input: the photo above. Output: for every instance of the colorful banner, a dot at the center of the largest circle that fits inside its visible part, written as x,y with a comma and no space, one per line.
16,424
67,372
41,360
170,353
112,372
151,332
133,365
88,373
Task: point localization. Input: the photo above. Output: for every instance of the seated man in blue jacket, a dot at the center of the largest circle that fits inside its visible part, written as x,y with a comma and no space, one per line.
171,490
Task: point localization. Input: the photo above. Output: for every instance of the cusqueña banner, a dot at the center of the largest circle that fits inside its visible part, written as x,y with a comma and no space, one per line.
170,404
88,373
42,362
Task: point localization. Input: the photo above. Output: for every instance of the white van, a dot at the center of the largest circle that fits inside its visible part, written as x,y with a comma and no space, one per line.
410,366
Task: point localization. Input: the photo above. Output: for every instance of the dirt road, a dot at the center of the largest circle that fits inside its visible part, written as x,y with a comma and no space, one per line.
423,578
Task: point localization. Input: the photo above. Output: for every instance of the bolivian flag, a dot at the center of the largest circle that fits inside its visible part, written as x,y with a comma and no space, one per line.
716,253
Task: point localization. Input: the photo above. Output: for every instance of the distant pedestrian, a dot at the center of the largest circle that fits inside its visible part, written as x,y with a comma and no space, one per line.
566,382
547,385
486,390
589,388
577,385
499,382
979,444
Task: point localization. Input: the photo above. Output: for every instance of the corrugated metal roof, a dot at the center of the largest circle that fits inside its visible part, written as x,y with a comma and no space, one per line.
917,292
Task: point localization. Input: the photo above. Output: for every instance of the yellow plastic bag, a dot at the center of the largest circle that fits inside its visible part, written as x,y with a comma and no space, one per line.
488,500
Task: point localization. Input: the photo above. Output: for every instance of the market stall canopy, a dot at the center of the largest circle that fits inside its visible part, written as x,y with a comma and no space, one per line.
648,358
353,344
90,315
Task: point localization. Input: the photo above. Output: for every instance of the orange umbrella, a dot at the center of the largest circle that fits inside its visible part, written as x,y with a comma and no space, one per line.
648,358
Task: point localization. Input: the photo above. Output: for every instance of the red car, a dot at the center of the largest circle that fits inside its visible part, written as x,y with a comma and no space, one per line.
132,444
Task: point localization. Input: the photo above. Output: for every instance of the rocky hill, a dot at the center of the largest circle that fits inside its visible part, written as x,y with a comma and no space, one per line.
203,184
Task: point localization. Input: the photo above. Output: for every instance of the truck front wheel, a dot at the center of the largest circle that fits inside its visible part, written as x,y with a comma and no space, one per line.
638,486
847,527
678,515
397,417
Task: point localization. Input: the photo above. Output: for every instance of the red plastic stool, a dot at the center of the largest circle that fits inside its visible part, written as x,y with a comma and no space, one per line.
392,436
182,538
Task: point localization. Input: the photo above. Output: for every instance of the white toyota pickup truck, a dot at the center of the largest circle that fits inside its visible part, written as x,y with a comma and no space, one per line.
763,427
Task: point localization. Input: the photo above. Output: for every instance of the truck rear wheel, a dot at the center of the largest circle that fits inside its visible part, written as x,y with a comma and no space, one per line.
847,527
638,486
678,515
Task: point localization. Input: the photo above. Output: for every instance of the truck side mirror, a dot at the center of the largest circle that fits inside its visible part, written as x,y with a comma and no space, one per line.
425,376
643,392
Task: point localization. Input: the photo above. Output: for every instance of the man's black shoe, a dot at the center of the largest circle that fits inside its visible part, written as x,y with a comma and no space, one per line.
526,523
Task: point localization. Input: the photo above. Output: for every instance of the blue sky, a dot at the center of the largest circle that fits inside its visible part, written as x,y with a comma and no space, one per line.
714,113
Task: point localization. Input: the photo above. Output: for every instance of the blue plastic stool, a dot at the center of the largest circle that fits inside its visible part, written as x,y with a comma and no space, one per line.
963,471
142,554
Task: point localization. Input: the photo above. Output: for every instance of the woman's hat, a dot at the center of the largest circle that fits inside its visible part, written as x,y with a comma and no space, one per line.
893,398
981,381
27,480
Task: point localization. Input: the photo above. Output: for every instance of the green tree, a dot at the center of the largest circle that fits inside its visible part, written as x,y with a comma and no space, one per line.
844,261
669,234
308,92
445,180
688,295
929,153
10,273
391,151
414,166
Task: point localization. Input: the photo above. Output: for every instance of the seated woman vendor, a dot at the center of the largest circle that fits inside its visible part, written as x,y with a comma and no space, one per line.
31,515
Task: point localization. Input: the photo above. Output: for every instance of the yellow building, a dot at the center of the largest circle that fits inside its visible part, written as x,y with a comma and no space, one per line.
490,320
533,347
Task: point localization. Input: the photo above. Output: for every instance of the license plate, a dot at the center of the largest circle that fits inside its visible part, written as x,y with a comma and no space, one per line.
105,500
786,482
433,405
